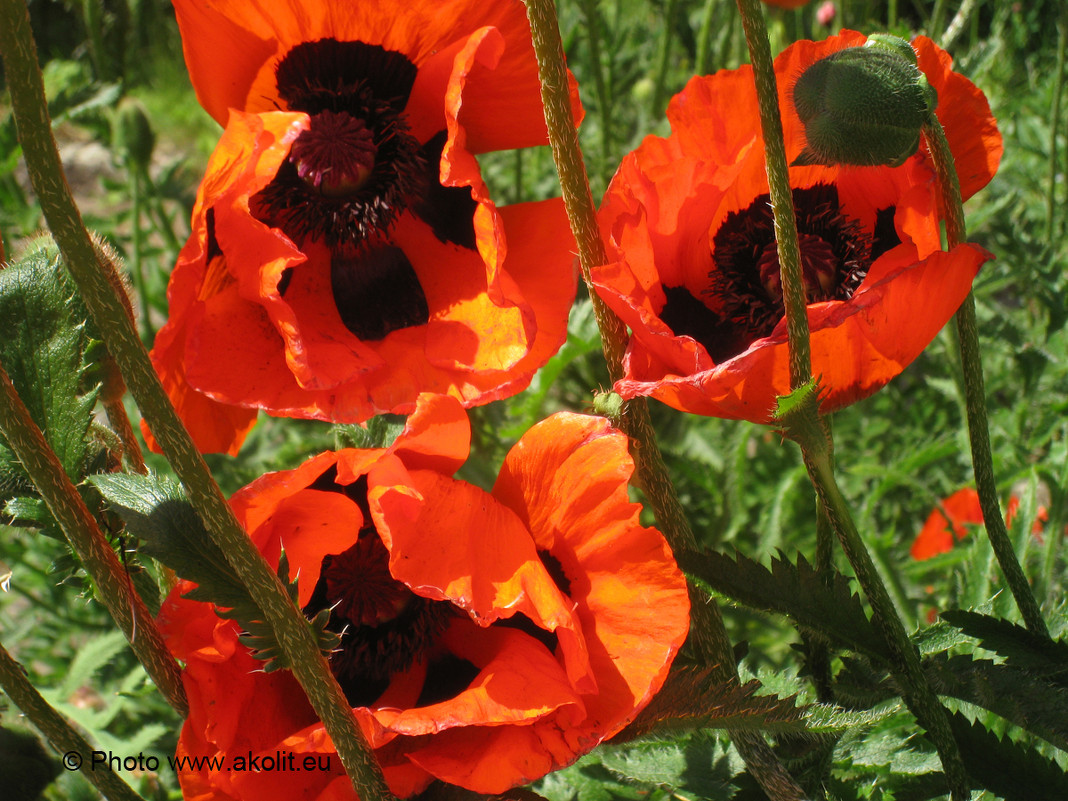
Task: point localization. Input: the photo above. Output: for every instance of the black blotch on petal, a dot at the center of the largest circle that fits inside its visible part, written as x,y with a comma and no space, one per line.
213,243
448,210
328,75
446,678
377,292
885,236
686,315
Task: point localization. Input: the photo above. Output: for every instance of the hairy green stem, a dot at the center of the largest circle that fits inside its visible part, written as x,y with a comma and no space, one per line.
663,56
957,24
63,737
709,633
592,16
704,38
113,584
919,696
782,199
815,441
975,392
1054,126
289,625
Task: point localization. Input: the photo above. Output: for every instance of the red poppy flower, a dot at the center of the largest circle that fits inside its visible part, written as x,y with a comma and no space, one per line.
695,270
953,517
787,4
346,254
487,638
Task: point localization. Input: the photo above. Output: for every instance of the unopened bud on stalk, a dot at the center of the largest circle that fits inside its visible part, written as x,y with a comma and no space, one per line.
864,106
134,137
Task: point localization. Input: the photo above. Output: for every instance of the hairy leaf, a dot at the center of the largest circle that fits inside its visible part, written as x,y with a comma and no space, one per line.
1018,695
1012,771
693,698
1019,647
819,606
156,511
42,345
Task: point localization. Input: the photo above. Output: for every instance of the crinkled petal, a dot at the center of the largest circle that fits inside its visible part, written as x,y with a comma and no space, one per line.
567,478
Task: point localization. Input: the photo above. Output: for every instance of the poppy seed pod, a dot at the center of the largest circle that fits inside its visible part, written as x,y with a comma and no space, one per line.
863,106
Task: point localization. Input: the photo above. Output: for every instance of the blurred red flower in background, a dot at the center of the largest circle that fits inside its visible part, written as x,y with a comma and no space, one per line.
346,254
950,521
695,265
487,638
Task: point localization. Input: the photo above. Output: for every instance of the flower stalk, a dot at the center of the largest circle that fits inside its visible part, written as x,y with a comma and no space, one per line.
82,532
975,392
709,633
291,628
806,427
782,202
63,737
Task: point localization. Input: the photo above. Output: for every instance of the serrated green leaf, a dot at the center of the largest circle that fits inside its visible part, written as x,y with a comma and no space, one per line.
827,719
90,658
156,512
26,509
1019,647
1012,771
42,344
819,606
692,698
697,766
378,432
1018,695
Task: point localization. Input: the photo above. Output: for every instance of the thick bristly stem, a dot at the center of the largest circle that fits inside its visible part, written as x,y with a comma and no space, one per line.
919,696
1054,128
85,537
289,625
782,199
808,430
975,393
710,636
77,752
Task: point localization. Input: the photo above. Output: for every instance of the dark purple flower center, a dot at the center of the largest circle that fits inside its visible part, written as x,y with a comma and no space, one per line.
385,628
336,155
353,173
743,299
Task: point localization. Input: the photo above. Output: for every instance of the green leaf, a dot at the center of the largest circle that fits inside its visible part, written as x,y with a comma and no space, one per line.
378,432
1018,695
693,698
42,345
1020,648
1012,771
156,511
90,658
820,605
33,511
698,765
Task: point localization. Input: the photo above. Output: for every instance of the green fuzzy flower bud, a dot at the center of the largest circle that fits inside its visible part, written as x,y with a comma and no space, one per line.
133,133
608,404
864,106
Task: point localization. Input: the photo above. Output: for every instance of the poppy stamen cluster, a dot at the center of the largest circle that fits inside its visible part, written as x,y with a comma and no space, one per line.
743,301
384,626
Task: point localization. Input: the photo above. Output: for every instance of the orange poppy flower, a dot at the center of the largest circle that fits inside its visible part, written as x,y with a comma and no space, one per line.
951,520
346,254
487,638
695,266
